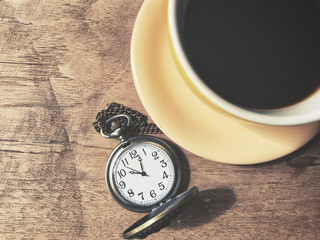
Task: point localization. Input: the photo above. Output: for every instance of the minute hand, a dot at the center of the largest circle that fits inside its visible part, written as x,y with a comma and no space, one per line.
140,161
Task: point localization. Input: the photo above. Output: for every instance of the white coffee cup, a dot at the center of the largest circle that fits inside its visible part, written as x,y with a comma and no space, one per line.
303,112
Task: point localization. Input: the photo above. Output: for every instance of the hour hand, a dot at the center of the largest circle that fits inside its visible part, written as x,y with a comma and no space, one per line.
133,171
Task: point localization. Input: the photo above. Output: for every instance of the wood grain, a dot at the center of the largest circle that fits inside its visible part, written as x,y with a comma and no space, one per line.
60,63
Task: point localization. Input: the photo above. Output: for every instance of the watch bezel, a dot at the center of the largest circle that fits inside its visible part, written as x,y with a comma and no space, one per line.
161,143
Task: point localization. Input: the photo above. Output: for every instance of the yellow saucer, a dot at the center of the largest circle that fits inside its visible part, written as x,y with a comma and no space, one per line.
184,118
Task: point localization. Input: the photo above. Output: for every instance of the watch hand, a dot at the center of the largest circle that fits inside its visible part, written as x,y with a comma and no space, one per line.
137,172
142,169
140,161
133,170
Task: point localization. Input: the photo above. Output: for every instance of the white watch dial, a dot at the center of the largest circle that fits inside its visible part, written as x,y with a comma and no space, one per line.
144,174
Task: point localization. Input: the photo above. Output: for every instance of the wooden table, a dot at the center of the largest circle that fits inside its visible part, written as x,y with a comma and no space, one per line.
60,63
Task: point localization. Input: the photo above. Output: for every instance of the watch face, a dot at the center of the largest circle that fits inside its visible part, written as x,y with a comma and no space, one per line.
142,175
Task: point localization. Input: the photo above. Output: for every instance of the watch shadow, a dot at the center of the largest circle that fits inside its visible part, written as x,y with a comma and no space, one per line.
207,206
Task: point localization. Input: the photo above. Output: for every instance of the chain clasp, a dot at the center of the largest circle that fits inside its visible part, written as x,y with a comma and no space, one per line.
119,131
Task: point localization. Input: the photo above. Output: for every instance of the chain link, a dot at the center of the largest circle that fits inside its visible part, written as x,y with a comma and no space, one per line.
139,121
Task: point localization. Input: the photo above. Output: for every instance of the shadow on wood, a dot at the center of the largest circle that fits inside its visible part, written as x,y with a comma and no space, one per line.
207,206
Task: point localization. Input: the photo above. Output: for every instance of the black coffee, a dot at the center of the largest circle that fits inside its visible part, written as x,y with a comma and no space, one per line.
262,54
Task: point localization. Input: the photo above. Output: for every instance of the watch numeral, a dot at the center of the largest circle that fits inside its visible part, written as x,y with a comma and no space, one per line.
161,186
163,163
125,162
141,195
122,173
131,193
133,154
155,155
122,184
165,175
144,152
153,193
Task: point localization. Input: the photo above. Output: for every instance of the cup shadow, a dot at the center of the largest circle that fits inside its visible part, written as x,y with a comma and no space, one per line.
207,206
300,159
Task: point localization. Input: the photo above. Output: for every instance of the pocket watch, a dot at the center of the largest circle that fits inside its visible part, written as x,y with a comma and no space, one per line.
143,173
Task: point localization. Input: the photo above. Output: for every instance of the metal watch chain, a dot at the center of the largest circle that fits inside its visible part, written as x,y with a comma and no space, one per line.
139,122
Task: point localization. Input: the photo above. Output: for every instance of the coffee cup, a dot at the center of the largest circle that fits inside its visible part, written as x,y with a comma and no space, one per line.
258,61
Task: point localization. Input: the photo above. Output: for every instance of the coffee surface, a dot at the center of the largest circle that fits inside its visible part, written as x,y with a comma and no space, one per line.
259,54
